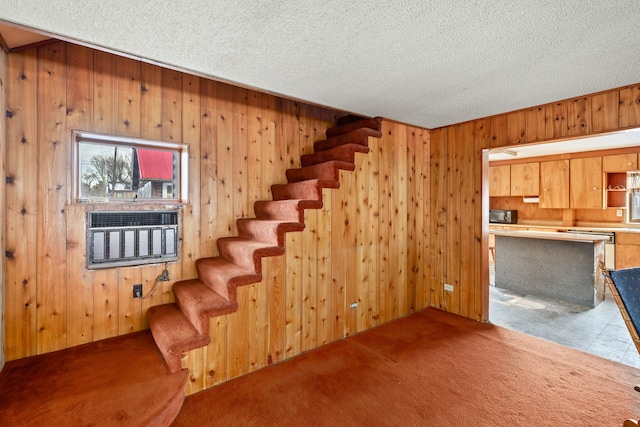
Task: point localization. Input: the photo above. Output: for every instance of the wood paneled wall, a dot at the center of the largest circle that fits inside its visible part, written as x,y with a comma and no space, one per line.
3,145
368,245
460,189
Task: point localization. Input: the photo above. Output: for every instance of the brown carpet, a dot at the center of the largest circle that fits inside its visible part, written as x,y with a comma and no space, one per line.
429,369
116,382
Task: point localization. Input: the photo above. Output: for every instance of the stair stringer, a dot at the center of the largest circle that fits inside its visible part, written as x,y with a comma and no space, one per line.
183,326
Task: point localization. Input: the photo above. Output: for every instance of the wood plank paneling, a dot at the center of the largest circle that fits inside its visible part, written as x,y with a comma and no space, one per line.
438,218
579,116
208,164
629,114
105,101
79,116
3,153
129,95
191,132
516,127
22,206
604,111
151,89
53,162
453,268
372,232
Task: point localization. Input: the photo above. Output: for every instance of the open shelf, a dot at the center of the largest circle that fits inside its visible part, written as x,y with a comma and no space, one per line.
616,190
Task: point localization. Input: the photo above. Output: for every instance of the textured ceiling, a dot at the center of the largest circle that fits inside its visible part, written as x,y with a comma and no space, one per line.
428,63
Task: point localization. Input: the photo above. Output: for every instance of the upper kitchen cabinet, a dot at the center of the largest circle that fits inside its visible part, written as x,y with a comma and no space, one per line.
554,179
500,181
585,183
620,162
525,179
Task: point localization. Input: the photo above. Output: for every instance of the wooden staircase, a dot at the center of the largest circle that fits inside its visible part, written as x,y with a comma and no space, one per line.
184,325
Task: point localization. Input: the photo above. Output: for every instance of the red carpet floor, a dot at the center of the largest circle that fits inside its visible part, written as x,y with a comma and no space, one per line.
429,369
116,382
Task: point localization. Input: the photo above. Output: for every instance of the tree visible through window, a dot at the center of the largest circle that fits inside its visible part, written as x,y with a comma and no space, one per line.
108,168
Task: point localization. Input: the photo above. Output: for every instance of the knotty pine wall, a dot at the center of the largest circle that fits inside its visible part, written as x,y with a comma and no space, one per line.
460,187
3,79
367,245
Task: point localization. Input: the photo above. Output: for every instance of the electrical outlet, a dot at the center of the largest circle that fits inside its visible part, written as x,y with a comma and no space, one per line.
618,212
137,290
353,305
448,287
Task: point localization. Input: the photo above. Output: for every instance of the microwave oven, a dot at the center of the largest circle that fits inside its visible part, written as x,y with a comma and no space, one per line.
502,216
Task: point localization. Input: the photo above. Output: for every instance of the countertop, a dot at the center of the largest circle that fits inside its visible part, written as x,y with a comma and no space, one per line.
561,228
551,235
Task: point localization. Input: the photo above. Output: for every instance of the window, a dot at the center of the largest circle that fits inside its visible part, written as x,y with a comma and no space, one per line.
111,168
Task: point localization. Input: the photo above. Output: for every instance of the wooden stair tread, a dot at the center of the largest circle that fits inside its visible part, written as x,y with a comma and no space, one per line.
329,170
220,270
200,302
174,334
267,230
247,253
287,209
345,152
360,136
349,124
306,190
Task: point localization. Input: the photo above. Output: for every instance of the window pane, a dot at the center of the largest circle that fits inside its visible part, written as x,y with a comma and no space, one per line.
128,172
105,171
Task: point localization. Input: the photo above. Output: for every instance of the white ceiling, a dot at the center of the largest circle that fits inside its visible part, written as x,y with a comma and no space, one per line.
423,62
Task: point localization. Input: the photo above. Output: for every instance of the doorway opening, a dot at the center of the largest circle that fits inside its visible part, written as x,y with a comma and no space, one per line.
599,330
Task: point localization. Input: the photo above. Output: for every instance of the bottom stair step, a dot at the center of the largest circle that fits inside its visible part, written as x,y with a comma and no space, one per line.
174,334
199,303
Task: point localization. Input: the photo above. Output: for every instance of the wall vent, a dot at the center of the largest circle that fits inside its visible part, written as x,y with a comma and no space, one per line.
123,238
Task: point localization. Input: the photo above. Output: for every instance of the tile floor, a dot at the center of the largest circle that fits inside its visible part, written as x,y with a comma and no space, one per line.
600,330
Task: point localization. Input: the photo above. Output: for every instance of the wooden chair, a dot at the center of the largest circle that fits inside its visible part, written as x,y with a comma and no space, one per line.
630,423
625,287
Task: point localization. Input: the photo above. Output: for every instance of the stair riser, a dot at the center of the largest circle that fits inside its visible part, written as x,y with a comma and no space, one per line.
265,231
372,123
343,153
329,171
246,257
285,210
360,137
292,191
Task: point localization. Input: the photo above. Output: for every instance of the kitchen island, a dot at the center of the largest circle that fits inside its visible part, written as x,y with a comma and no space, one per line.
562,266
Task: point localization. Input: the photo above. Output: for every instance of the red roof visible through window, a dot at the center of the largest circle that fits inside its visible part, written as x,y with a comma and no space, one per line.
155,164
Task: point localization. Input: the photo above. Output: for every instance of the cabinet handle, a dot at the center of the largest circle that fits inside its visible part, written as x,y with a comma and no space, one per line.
595,188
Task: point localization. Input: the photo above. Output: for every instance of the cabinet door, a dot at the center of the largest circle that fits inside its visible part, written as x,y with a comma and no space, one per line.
554,179
499,181
620,162
585,183
627,250
525,179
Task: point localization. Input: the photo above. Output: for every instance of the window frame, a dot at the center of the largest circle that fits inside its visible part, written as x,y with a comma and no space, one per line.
181,149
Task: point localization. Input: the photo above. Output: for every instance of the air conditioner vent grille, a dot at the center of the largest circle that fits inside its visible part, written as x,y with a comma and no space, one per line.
117,239
132,219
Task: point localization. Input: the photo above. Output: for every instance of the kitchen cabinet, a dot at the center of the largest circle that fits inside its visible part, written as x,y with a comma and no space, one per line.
620,162
554,180
525,179
500,181
627,250
585,183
